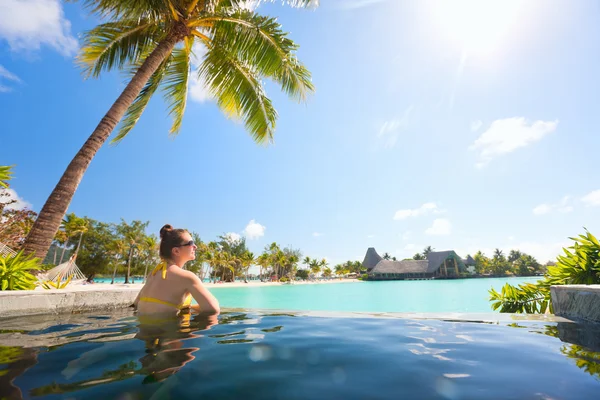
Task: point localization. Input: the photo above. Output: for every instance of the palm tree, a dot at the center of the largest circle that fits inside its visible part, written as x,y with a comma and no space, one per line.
134,235
263,262
150,246
315,266
154,41
74,225
426,251
116,248
247,260
386,256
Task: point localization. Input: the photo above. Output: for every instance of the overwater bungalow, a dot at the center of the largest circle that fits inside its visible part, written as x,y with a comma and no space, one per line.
438,265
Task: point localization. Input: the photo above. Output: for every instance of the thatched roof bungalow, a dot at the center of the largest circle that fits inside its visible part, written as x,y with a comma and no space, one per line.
439,264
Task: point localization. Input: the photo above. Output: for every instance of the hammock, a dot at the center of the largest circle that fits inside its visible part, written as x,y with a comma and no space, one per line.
63,272
6,251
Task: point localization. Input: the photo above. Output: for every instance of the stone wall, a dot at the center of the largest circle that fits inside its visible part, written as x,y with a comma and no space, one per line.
580,302
34,302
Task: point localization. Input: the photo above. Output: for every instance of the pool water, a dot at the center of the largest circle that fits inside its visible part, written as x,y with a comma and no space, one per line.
262,355
460,295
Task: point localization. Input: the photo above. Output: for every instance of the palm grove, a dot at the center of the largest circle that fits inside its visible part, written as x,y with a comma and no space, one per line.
124,248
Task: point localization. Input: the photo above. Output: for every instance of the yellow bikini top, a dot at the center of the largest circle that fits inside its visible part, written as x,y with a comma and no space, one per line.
185,304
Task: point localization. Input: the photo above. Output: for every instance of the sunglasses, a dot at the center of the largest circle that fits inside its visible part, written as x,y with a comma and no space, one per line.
190,243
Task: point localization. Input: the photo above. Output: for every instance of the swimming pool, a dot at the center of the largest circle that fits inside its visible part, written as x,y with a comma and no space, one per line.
287,355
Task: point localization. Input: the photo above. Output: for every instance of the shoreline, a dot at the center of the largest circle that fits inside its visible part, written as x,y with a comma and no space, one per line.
138,286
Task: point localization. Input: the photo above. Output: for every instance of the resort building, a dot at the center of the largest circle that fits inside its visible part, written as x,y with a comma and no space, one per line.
438,265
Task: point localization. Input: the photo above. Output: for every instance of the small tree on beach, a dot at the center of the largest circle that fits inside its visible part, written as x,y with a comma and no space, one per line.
155,41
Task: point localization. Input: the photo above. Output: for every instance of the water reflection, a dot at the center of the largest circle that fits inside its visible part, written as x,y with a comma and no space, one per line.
14,361
582,342
165,354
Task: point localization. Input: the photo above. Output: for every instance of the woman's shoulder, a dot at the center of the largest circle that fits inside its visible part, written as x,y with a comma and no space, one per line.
180,272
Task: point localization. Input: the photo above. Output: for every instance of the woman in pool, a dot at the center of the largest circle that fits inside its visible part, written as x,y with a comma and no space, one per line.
170,288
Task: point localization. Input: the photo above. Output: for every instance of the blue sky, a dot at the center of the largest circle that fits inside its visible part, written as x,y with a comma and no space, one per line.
466,127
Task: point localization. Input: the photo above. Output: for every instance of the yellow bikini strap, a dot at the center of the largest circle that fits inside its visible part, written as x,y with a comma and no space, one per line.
163,266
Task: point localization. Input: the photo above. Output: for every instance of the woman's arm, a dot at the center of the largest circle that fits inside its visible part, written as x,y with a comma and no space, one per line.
207,302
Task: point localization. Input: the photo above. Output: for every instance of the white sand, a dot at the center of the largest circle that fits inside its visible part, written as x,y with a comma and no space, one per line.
138,286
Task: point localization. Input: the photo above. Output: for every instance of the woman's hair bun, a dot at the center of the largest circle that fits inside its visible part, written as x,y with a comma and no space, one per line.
165,229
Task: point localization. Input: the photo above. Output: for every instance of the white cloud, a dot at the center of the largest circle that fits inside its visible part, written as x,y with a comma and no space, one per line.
561,207
370,236
407,235
254,230
6,75
592,199
233,237
506,135
426,208
441,226
475,125
389,131
317,234
28,24
511,238
8,195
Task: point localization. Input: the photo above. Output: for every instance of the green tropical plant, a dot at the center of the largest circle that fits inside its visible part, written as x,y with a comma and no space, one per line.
580,265
155,42
5,175
14,272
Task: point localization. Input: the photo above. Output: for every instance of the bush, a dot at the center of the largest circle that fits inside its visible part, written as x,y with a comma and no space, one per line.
14,272
284,279
302,273
364,277
578,266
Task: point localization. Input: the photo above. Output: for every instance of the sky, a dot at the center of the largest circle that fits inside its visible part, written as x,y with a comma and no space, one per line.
469,126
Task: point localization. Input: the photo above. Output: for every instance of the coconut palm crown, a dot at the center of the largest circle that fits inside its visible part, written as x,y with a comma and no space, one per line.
154,41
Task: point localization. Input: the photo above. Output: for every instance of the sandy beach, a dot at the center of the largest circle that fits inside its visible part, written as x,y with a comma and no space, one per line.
138,286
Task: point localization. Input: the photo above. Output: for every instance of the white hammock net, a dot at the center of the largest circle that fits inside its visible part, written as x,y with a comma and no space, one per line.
64,270
6,251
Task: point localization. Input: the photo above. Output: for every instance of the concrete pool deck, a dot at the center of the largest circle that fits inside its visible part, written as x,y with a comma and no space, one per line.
99,296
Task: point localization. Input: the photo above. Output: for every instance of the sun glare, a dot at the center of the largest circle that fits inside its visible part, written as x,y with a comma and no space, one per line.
476,25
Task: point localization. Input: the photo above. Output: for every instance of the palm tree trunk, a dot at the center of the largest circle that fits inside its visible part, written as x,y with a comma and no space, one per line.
114,272
79,244
145,273
129,264
63,253
49,219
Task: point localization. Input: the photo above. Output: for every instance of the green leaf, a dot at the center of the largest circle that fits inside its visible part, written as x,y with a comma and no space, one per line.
115,44
239,93
176,84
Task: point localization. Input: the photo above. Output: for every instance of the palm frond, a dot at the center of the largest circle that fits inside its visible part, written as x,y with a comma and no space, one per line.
118,9
5,175
114,44
261,42
134,112
176,83
244,4
239,93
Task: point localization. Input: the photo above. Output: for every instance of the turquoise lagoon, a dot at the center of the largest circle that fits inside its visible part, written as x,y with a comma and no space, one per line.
438,296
